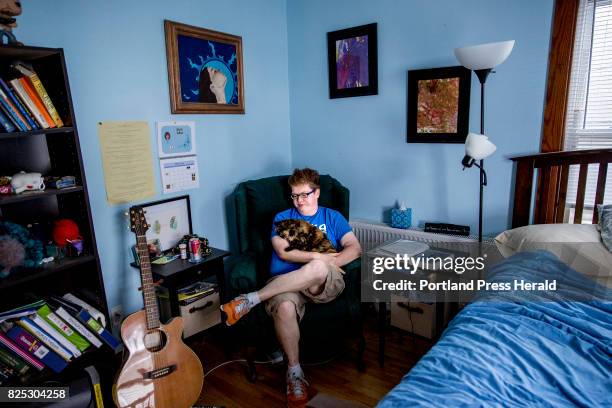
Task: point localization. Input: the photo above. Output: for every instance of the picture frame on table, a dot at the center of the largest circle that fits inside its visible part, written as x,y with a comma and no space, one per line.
205,70
438,105
352,56
169,221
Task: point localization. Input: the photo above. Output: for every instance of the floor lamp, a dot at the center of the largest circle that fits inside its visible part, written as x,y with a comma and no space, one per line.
481,59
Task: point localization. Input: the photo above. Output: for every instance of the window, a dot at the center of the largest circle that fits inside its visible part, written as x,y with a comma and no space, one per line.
588,122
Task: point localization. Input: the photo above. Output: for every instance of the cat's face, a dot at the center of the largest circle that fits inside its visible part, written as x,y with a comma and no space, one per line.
290,229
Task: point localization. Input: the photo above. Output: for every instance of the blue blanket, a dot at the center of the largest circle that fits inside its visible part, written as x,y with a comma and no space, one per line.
504,350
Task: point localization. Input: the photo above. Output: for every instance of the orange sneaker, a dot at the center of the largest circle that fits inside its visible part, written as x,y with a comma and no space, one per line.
297,391
235,309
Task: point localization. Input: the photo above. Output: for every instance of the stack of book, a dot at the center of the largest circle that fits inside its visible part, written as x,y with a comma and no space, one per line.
195,292
50,334
25,104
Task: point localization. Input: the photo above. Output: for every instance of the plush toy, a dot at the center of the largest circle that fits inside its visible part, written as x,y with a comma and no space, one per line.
65,230
33,249
23,181
12,254
9,9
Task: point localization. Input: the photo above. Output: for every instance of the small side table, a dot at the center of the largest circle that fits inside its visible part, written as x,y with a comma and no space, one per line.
443,310
180,273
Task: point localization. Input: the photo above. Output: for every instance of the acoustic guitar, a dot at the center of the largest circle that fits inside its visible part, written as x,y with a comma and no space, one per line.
161,371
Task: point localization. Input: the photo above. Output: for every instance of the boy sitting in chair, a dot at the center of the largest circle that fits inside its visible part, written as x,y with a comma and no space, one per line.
300,276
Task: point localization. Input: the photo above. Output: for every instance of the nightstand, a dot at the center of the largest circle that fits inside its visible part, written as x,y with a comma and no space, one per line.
425,316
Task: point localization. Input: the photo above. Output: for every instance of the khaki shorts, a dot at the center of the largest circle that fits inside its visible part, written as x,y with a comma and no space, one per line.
334,285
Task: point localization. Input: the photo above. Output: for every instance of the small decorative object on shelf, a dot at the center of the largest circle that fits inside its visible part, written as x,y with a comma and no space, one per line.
23,181
401,217
65,231
9,9
60,182
10,235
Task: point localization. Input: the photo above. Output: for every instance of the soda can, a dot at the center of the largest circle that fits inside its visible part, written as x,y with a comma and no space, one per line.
194,246
183,249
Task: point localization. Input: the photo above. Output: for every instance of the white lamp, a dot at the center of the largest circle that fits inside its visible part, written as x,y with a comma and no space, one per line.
481,59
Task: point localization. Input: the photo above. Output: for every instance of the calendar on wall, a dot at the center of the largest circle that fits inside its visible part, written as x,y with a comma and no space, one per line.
177,156
179,173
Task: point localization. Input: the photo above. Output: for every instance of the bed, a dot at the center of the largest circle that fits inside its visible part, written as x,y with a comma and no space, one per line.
545,349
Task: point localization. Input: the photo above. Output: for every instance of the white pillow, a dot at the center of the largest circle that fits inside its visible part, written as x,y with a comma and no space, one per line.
577,245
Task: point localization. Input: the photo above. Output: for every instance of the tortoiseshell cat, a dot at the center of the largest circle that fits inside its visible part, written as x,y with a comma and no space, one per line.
304,236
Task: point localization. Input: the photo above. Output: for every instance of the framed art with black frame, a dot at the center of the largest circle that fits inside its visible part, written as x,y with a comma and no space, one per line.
205,72
169,221
438,105
352,56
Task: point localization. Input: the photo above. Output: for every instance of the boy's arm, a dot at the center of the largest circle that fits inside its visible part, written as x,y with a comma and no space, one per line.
351,250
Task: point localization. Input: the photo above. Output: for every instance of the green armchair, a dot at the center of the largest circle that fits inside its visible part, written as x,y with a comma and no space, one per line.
254,204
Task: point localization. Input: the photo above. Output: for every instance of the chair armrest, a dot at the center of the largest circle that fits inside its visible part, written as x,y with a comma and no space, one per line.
241,274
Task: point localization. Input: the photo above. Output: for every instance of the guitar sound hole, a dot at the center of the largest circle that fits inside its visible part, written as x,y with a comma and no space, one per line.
155,340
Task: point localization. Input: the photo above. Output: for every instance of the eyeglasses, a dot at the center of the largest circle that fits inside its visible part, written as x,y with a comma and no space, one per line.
302,195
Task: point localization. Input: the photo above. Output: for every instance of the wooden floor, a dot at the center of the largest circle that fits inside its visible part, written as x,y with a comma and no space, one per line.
228,386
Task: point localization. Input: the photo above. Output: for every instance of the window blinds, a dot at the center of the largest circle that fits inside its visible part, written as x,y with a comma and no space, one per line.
588,123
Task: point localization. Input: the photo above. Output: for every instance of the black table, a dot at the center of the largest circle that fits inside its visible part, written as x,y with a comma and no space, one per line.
180,273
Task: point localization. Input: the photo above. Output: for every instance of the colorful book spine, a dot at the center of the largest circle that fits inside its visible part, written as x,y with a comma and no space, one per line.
33,328
44,96
36,99
6,372
55,335
76,325
12,111
62,328
84,305
25,356
20,91
13,361
7,125
104,334
24,112
37,348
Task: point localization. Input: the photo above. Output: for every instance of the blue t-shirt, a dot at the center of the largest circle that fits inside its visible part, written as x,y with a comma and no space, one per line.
331,222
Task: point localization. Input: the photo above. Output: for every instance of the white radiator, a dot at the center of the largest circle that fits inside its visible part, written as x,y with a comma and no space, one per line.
371,234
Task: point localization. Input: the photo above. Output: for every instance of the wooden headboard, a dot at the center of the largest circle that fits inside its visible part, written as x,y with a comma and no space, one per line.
553,172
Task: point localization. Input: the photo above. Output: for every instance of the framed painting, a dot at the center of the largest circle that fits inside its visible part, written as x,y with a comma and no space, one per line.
438,105
169,221
352,56
205,72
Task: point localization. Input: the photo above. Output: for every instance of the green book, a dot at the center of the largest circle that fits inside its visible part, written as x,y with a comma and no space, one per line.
13,361
63,328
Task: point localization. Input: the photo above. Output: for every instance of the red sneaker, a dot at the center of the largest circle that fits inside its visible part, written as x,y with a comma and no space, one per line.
297,391
235,309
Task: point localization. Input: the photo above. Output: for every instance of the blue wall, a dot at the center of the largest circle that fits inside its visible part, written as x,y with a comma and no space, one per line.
361,140
116,60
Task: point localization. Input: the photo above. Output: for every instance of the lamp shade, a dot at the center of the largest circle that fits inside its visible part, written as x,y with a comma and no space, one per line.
478,146
484,56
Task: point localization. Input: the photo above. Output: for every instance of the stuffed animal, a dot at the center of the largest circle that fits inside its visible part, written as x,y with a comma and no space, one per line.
64,231
9,9
33,248
12,253
304,236
27,181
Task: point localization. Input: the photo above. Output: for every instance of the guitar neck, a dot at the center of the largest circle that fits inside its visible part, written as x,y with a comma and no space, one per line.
148,289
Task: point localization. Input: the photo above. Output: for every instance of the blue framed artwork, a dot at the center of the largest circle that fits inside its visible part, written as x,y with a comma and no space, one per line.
204,70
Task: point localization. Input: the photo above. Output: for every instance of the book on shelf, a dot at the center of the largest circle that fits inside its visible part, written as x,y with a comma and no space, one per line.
36,349
37,101
55,335
63,328
9,344
69,314
84,305
41,91
6,373
20,311
17,102
6,123
25,98
11,111
35,330
13,361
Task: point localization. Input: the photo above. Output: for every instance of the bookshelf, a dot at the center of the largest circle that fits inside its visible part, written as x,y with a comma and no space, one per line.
55,152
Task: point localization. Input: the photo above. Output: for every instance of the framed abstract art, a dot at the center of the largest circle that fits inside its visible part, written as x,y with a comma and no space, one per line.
352,56
438,105
204,70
